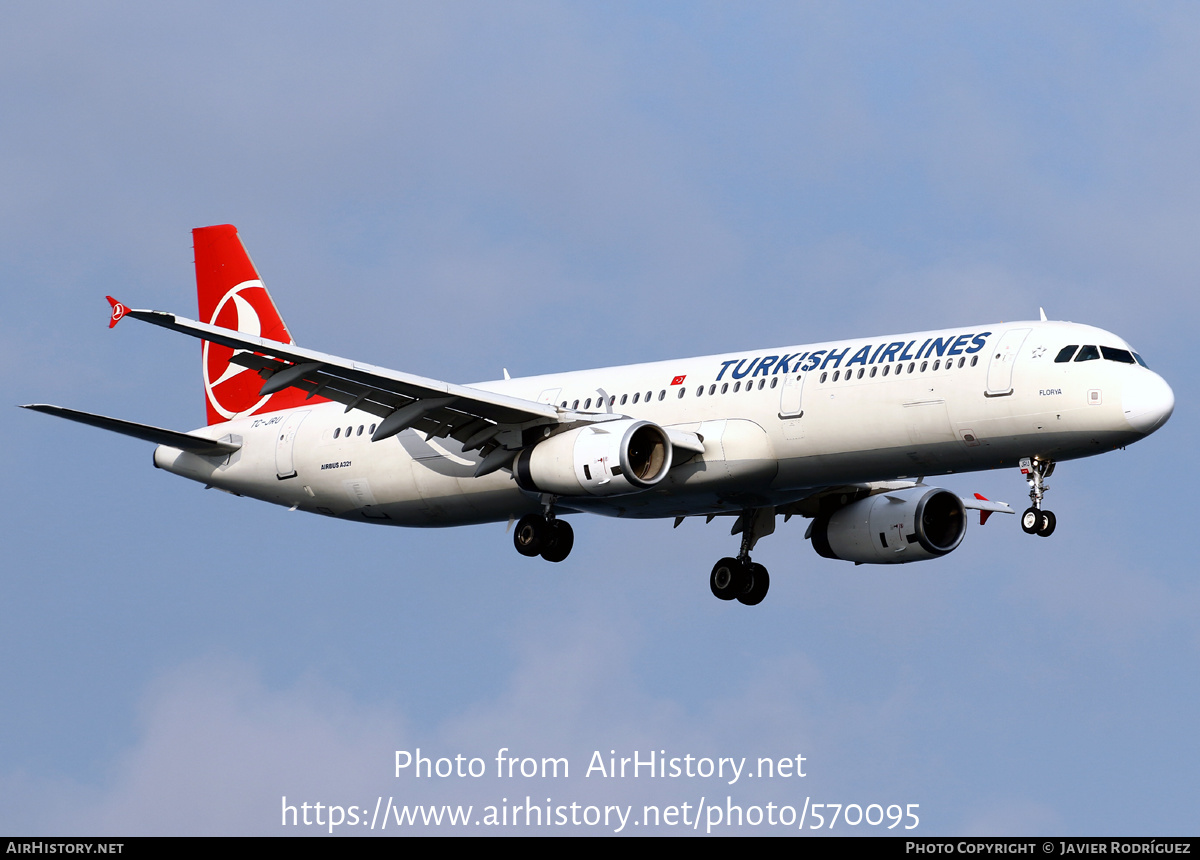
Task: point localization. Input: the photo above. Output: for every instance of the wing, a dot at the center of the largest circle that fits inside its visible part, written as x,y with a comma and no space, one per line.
986,507
811,505
158,435
478,419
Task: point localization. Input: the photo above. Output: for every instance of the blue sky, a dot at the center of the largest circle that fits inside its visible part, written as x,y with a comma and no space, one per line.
451,189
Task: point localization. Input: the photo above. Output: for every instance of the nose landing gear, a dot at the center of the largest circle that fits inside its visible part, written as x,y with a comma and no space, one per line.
1035,521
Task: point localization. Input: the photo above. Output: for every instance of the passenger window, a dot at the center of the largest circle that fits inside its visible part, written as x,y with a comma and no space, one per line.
662,394
712,389
587,404
1088,353
1064,354
937,364
682,391
564,404
1122,355
836,373
774,381
699,390
873,369
575,405
860,373
962,361
886,369
974,360
349,430
912,365
737,386
724,387
624,397
761,383
823,375
372,430
337,431
360,429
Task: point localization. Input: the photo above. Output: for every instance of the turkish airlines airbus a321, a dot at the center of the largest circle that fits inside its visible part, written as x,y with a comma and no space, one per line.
834,432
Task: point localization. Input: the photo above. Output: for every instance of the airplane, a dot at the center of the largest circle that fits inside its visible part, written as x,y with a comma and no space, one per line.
841,433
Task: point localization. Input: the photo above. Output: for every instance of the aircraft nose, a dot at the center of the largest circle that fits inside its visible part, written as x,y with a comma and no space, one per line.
1148,402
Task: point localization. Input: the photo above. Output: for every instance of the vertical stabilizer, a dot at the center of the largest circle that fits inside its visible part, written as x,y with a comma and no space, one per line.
232,296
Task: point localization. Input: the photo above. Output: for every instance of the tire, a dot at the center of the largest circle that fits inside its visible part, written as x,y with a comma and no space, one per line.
1047,524
758,584
560,538
1031,520
728,579
530,535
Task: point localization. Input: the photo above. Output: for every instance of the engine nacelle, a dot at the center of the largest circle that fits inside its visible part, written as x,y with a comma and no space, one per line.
893,527
609,458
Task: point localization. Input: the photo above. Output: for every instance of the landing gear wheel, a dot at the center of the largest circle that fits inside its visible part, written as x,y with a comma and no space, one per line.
559,540
728,579
1046,524
531,535
1031,521
757,584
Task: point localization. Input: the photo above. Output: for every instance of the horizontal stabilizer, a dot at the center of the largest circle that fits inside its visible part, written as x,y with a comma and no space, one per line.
183,441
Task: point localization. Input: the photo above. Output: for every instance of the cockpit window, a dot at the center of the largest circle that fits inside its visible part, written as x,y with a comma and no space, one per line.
1141,361
1088,353
1122,355
1065,353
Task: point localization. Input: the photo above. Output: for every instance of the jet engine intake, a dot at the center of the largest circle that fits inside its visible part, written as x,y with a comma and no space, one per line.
609,458
893,527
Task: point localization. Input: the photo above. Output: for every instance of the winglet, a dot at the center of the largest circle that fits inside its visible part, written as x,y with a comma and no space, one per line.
983,515
118,311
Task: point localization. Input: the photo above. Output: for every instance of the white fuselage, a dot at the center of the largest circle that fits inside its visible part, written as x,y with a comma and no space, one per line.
776,424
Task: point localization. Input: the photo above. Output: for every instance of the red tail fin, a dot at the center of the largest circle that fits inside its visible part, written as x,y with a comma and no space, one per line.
233,296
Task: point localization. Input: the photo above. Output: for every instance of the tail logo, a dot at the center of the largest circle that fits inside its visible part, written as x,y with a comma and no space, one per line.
233,390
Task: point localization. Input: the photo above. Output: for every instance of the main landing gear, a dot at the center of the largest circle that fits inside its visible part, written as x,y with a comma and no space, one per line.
542,534
1035,521
740,578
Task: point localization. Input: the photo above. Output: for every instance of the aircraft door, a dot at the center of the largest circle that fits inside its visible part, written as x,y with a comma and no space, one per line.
285,442
790,399
999,378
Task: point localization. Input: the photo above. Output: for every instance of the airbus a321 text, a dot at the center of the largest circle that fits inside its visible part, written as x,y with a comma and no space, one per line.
834,432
